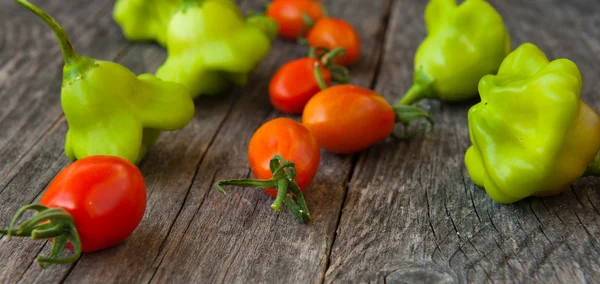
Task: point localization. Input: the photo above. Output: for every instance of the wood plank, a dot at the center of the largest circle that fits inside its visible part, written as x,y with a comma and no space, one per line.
412,213
238,238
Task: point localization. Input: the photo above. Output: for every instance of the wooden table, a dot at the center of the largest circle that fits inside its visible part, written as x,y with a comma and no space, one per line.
396,212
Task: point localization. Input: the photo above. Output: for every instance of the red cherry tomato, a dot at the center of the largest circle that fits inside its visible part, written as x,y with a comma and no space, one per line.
333,33
93,204
295,83
288,14
346,119
105,195
293,142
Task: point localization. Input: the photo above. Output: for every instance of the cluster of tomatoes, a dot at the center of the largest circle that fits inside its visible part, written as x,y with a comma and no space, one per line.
342,119
98,201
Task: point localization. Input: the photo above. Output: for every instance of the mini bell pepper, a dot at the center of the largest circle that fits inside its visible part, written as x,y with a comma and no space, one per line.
145,20
531,133
211,45
109,110
463,44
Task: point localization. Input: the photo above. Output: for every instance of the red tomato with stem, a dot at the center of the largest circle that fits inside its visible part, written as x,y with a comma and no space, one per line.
347,119
336,33
297,81
293,142
294,17
93,204
284,157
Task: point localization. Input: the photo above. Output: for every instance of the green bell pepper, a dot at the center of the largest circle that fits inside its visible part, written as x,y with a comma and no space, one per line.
210,44
464,43
109,110
531,133
145,20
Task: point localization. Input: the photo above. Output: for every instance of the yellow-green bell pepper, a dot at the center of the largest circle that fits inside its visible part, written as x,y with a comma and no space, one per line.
210,44
109,110
145,20
463,44
531,133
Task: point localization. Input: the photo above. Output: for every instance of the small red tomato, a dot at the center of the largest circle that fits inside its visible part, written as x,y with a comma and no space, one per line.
334,33
289,15
293,142
346,119
106,196
295,83
93,204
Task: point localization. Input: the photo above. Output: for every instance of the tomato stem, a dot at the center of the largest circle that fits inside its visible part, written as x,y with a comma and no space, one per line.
406,114
282,191
319,76
328,57
47,223
308,24
339,74
325,58
284,175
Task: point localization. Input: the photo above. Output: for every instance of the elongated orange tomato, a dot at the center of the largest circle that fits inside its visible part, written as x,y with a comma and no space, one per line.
346,119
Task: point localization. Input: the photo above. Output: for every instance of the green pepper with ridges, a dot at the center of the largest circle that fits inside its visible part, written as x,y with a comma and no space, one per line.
211,46
145,20
109,110
531,133
463,44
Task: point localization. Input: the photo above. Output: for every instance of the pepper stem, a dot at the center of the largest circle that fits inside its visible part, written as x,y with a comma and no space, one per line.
66,47
47,223
75,65
594,167
284,175
422,88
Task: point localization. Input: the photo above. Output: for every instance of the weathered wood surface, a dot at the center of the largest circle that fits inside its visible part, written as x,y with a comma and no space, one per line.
399,212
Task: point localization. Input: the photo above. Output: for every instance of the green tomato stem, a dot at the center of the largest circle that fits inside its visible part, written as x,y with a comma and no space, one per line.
319,76
406,115
339,74
48,223
284,174
308,24
282,192
328,57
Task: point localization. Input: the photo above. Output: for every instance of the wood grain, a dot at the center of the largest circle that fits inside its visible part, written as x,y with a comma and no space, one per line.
412,212
398,212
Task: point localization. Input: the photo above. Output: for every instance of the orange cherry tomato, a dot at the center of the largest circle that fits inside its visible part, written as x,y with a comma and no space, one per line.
295,83
288,14
293,142
333,33
346,119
